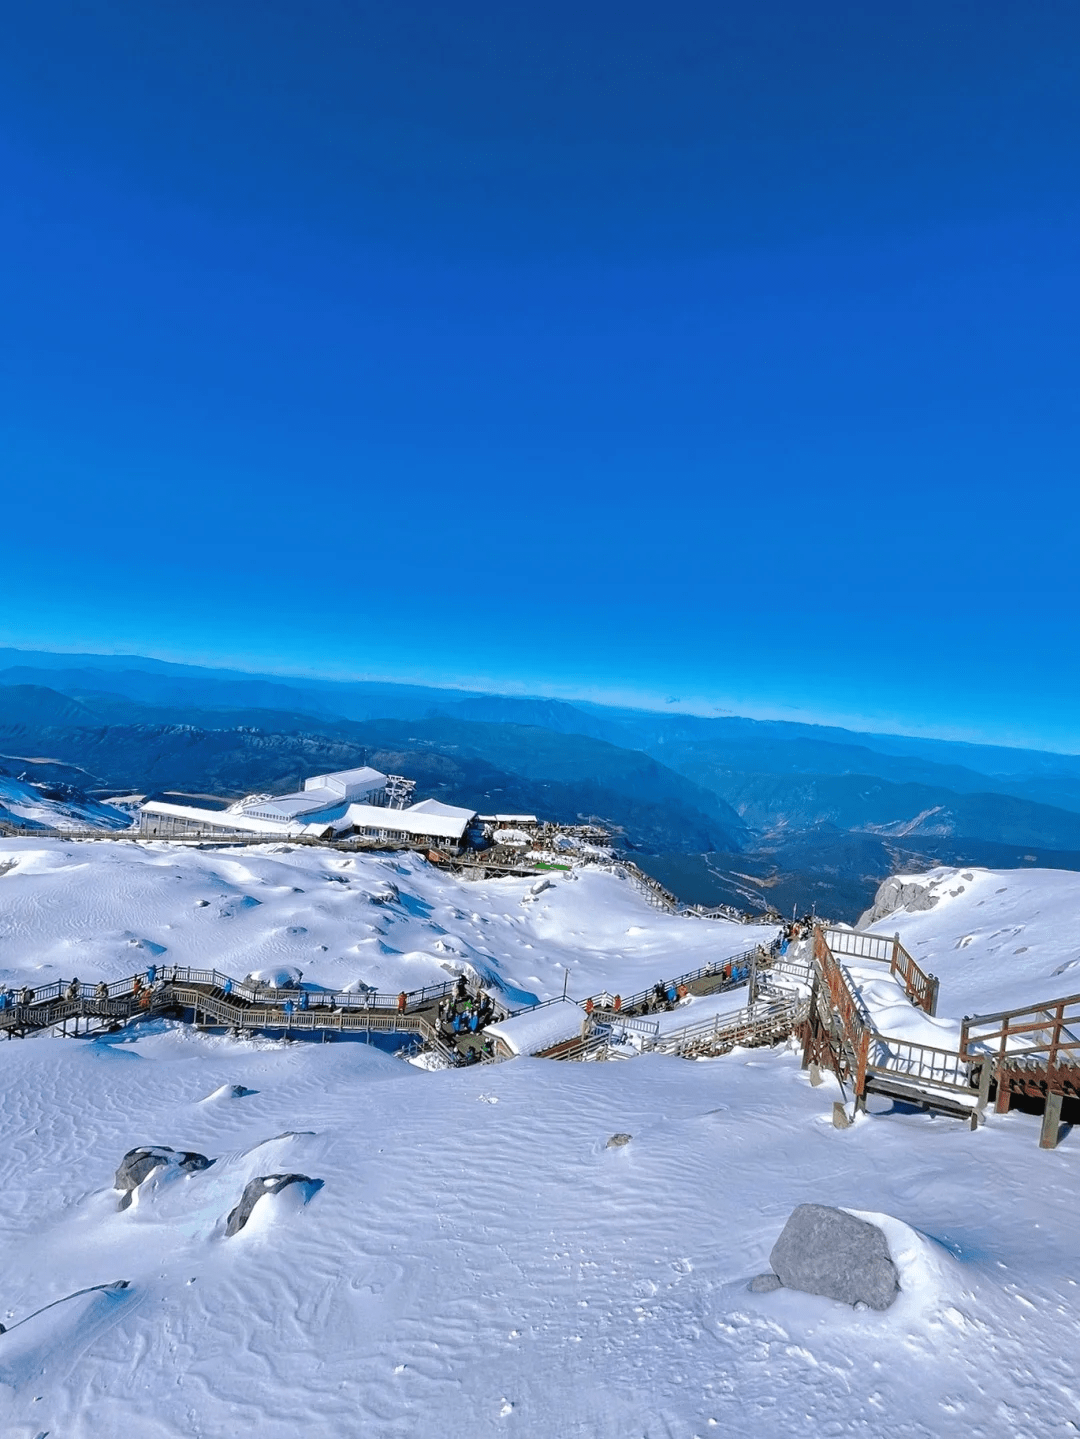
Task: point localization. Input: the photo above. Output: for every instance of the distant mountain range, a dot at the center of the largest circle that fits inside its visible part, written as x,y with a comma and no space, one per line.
721,809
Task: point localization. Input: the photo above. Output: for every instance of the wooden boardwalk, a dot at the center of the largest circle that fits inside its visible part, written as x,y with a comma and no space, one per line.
213,1000
1030,1055
1033,1052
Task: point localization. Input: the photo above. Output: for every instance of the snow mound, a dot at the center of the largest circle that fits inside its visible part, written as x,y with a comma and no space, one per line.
281,976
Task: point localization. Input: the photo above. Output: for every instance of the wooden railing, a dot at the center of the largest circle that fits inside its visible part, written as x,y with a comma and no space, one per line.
732,972
1049,1033
926,1063
752,1025
921,988
860,1052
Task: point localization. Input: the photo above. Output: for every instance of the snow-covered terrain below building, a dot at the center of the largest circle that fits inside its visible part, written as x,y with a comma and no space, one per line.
26,806
477,1262
102,910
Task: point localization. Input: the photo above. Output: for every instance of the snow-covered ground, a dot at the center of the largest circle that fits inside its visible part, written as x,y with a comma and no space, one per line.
21,802
106,909
477,1262
996,939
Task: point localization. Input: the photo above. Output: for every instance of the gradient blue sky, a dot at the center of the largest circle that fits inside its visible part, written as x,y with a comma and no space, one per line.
719,352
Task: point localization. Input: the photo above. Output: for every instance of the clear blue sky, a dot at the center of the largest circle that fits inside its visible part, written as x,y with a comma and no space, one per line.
719,351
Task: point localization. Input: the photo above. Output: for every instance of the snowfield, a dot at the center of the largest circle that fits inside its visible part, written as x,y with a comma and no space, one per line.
997,939
476,1262
105,909
22,802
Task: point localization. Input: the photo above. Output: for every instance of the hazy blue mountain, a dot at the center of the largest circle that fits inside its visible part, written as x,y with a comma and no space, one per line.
763,805
123,746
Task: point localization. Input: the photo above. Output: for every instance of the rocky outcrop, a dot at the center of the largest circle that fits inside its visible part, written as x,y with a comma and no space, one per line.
137,1165
898,893
829,1252
254,1190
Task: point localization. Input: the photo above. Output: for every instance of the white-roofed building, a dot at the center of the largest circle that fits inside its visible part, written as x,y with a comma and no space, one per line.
448,811
348,802
160,819
356,785
324,797
443,827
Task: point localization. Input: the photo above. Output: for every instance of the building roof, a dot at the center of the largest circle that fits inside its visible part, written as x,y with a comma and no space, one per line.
292,806
340,780
229,819
436,806
408,822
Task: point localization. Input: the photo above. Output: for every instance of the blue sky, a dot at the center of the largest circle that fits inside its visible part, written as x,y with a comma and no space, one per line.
714,352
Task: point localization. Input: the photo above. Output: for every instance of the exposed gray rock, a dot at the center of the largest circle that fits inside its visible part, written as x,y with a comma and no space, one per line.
827,1251
894,894
254,1191
618,1140
137,1165
765,1283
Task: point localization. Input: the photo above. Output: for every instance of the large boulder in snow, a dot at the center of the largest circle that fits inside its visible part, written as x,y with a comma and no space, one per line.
895,894
830,1252
254,1190
139,1164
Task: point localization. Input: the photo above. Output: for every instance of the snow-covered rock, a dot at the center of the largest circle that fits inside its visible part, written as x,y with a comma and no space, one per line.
138,1165
827,1251
261,1187
898,893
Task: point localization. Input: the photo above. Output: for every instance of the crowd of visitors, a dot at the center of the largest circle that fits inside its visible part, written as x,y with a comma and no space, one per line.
462,1016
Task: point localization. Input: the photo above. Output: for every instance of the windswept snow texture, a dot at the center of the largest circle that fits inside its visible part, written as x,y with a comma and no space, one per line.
476,1261
106,910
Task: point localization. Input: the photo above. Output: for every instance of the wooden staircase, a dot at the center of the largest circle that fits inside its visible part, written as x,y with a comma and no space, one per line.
1034,1051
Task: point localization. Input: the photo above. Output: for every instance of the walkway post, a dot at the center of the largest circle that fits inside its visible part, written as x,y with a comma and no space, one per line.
1051,1122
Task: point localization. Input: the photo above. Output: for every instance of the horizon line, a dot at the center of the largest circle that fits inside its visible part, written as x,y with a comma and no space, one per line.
697,707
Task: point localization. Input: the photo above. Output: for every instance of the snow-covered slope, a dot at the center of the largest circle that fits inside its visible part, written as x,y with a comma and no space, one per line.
27,805
105,910
996,938
476,1262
